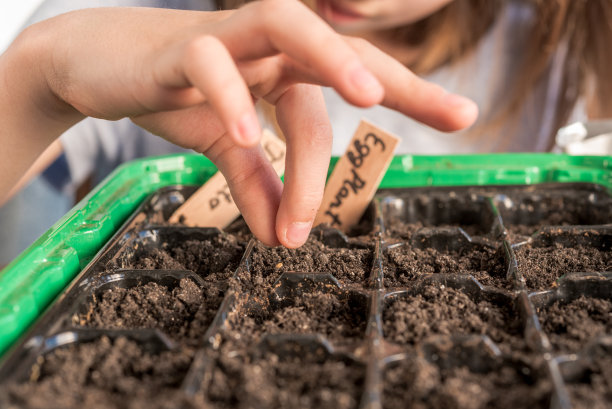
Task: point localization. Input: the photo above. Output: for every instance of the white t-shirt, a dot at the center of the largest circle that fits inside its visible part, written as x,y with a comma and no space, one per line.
485,76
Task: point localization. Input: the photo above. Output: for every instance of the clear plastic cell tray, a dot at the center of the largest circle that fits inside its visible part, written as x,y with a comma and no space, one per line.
456,277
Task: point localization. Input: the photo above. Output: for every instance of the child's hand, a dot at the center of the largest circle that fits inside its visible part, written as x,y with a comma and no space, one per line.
192,77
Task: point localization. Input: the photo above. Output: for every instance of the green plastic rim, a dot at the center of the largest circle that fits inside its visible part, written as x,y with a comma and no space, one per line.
38,275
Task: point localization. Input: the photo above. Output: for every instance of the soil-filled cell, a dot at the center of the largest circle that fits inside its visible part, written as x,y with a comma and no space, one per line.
348,265
541,267
525,213
212,257
406,263
403,214
274,381
102,374
591,386
419,384
183,313
570,326
340,317
439,310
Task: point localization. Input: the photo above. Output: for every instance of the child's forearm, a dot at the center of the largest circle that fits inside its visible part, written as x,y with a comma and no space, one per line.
31,115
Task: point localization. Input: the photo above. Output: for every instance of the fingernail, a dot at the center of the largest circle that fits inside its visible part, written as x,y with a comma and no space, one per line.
297,233
456,101
365,81
248,128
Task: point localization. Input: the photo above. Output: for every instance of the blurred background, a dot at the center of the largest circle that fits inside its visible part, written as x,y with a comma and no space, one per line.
13,14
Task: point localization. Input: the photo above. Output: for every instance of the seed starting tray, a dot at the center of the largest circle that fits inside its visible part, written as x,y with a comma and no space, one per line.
484,296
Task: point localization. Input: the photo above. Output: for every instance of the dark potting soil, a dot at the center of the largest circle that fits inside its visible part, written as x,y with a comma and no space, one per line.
419,384
103,374
398,229
250,373
593,390
213,260
440,310
345,264
527,217
542,266
571,326
183,313
406,264
240,230
310,313
271,380
245,369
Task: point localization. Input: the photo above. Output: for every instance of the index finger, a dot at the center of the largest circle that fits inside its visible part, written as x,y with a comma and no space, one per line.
413,96
360,72
291,28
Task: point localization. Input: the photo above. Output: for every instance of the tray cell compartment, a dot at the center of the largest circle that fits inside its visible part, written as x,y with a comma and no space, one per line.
407,210
452,306
348,263
209,253
555,252
178,303
465,374
446,252
304,303
577,313
86,368
526,211
587,375
284,371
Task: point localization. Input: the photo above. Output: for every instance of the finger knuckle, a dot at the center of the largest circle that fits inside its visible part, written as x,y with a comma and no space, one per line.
276,6
270,11
198,45
251,167
243,177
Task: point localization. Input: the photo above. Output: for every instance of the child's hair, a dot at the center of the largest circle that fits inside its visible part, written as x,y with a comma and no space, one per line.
583,26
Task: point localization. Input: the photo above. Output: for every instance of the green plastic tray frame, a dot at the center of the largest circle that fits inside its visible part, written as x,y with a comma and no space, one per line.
33,280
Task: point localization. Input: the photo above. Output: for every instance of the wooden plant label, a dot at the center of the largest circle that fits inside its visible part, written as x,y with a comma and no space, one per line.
212,204
356,177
